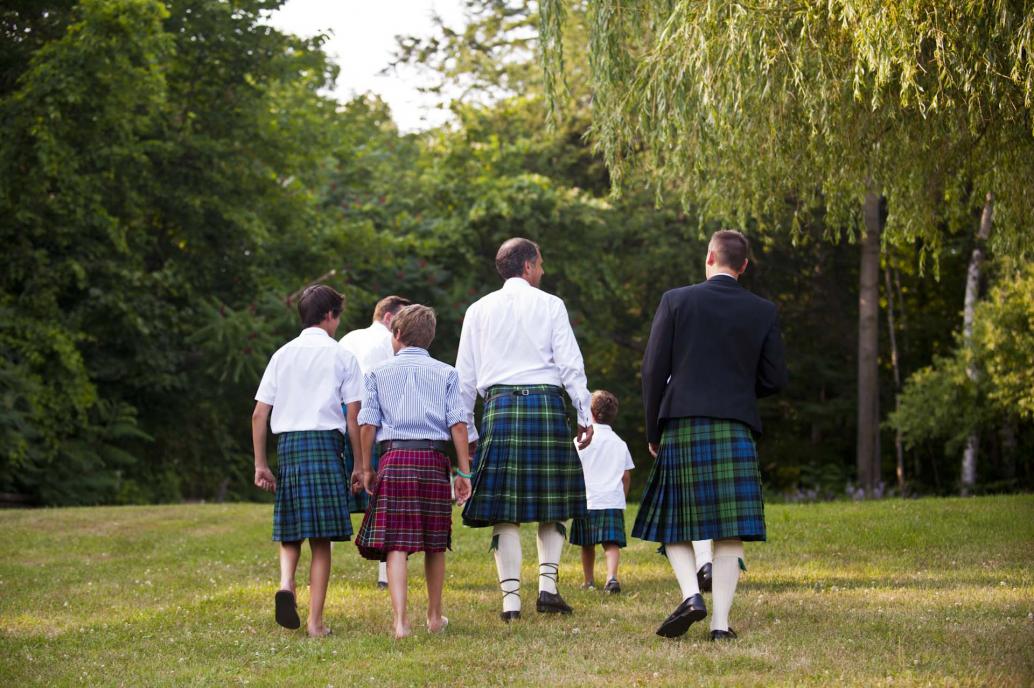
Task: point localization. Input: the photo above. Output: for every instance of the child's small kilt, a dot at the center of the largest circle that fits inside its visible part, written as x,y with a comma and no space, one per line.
311,487
704,485
599,527
359,502
411,506
527,467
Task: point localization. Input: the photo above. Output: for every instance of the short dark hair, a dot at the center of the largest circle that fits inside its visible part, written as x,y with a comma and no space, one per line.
414,325
316,301
389,304
604,406
730,247
513,254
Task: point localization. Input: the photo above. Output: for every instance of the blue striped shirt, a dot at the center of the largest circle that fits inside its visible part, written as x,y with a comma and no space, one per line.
412,397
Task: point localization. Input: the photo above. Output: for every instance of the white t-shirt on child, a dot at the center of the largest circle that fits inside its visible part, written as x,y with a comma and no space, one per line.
604,463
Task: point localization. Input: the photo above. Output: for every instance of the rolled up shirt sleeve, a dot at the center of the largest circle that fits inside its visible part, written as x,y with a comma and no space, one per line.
455,411
568,359
352,382
370,413
466,369
267,387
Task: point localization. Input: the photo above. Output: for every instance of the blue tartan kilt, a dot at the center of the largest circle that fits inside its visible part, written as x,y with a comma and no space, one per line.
598,527
527,466
704,485
358,503
311,487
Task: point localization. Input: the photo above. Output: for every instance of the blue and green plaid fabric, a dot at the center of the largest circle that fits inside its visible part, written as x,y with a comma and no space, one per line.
311,487
358,503
599,526
527,467
704,485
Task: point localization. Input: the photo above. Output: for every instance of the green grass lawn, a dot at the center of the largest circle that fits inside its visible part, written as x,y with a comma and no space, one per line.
932,591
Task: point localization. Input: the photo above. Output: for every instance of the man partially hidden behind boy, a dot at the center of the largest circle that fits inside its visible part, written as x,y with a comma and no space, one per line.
303,390
607,466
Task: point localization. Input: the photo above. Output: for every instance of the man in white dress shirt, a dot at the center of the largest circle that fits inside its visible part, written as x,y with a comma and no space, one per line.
371,346
518,351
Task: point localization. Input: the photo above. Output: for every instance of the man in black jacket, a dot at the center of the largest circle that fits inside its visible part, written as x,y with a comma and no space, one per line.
714,350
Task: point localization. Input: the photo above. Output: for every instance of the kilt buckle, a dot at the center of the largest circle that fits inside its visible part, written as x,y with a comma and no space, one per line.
525,392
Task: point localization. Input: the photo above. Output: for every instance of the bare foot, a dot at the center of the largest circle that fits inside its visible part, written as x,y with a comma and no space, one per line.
319,632
437,626
403,631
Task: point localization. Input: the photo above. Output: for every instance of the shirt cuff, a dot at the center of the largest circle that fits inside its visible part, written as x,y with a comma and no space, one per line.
368,416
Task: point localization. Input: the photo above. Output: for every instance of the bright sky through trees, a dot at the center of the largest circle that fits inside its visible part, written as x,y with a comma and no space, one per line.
362,39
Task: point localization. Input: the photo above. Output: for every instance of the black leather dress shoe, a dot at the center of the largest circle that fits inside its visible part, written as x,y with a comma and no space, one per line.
552,603
723,635
685,615
509,616
704,577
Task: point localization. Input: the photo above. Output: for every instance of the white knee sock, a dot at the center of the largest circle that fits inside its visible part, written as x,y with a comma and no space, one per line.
551,546
382,572
683,563
507,538
726,573
702,550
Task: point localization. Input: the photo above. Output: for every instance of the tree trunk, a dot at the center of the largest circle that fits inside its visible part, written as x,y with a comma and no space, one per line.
898,450
868,450
969,455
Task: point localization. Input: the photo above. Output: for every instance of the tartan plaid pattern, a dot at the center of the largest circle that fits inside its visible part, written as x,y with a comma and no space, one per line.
311,487
358,503
527,467
704,485
411,506
600,526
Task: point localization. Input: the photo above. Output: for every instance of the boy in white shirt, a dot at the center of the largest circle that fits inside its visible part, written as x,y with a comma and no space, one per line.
607,466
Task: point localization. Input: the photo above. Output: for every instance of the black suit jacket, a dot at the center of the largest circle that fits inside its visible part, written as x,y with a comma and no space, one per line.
714,350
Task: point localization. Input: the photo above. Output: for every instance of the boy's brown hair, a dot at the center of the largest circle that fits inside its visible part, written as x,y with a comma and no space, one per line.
414,325
604,407
316,301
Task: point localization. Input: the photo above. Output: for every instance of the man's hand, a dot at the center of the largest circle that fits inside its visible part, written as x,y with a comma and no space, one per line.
264,479
584,436
654,448
369,480
462,488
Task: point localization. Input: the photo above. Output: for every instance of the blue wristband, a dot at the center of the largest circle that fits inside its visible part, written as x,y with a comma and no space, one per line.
463,475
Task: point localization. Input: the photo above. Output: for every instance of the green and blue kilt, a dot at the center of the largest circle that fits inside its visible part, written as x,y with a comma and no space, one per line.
598,527
359,503
527,467
311,487
704,485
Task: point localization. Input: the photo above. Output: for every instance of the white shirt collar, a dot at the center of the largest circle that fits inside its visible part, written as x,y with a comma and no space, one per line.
412,351
602,426
317,331
516,283
384,327
723,274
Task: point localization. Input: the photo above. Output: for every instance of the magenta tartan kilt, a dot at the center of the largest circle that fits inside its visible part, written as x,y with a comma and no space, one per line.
411,506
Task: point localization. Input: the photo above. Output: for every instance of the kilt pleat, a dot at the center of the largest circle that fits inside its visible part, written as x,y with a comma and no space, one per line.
311,488
598,527
358,503
411,506
704,485
527,467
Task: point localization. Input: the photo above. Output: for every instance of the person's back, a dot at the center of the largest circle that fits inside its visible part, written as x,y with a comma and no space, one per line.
724,353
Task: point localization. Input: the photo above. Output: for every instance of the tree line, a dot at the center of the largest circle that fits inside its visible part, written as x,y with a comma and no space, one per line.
171,176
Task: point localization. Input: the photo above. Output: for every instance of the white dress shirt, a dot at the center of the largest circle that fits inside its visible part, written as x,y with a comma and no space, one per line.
371,346
604,463
519,335
306,382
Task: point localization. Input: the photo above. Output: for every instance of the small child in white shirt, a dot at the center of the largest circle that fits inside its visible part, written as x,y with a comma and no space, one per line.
607,465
